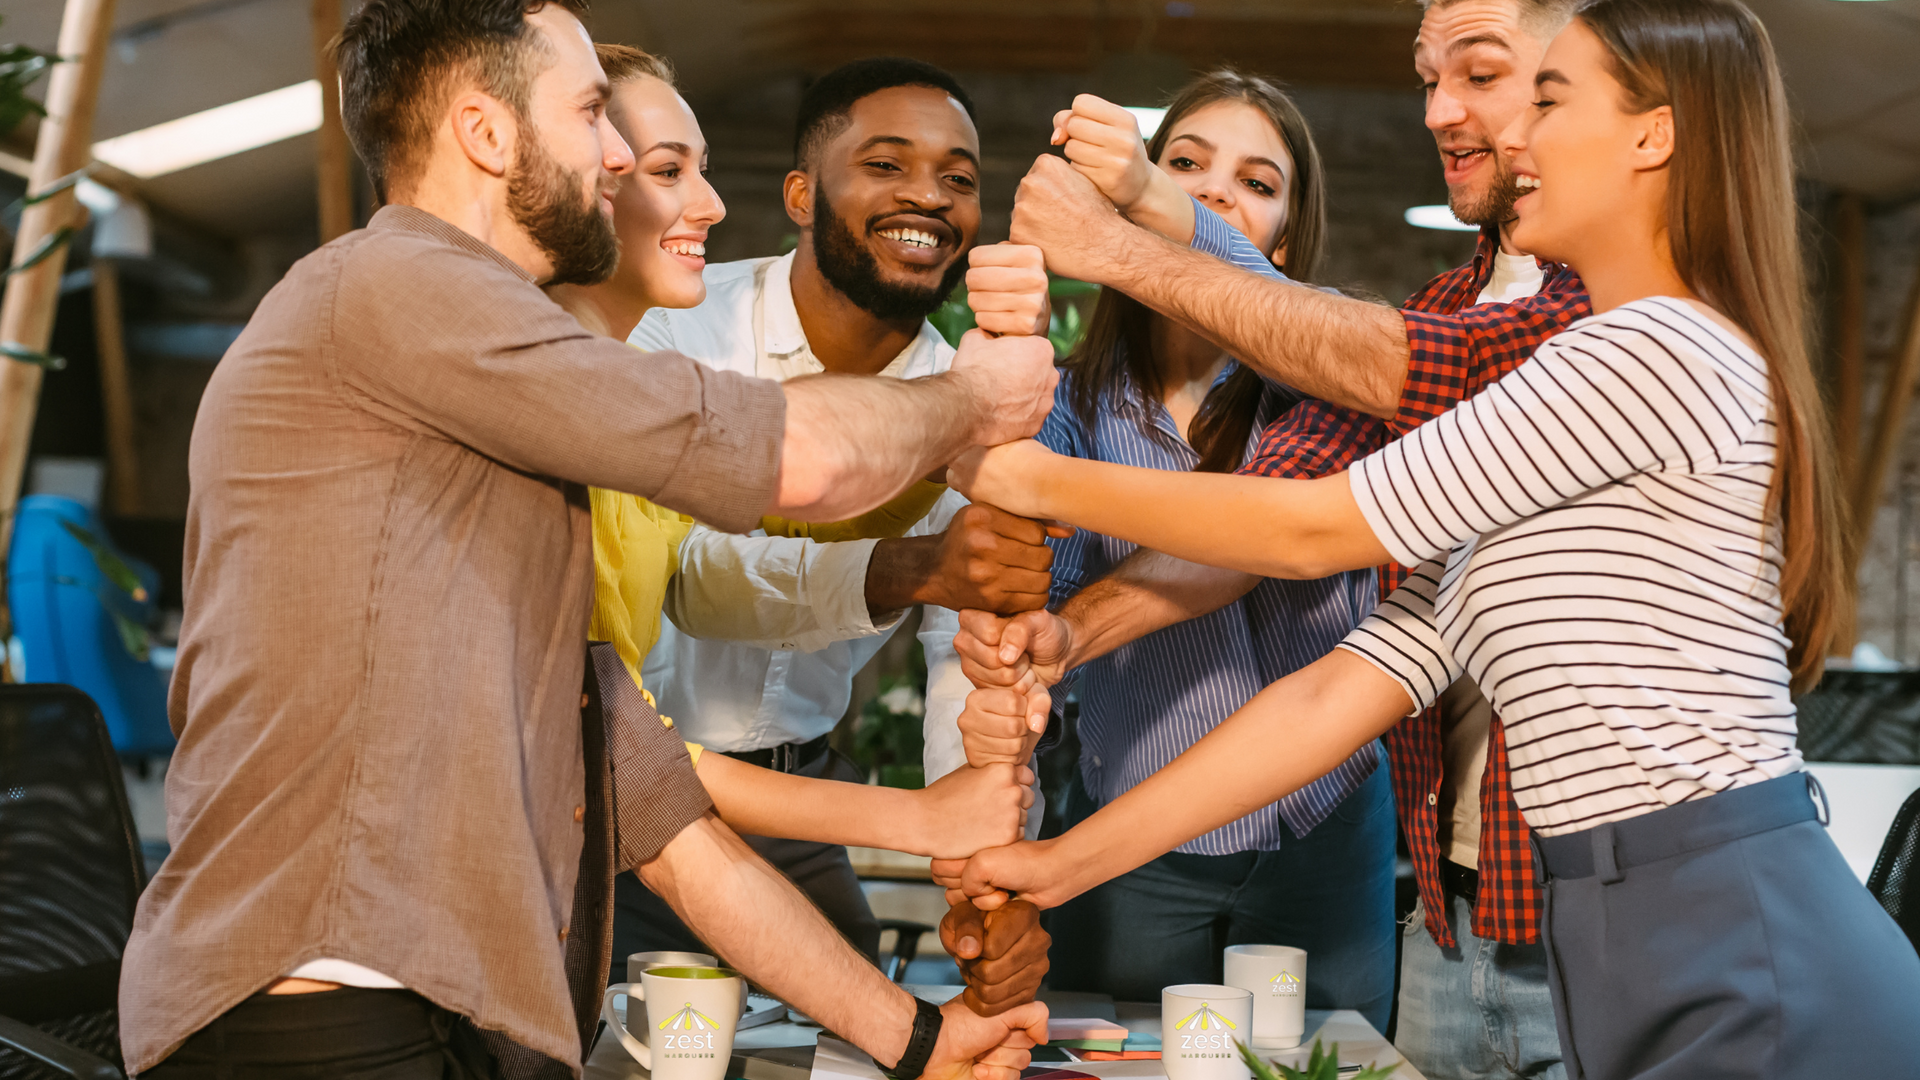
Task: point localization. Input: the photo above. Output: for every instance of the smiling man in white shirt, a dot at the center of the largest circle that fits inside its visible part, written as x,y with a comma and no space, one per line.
885,192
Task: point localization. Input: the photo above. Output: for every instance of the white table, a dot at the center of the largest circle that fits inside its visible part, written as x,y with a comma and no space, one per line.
1359,1042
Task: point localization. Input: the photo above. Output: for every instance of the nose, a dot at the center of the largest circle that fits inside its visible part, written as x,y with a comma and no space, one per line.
615,155
707,207
922,189
1512,141
1444,110
1215,190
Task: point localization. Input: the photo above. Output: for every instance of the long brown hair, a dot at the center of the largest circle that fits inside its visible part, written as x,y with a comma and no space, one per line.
1118,348
1732,226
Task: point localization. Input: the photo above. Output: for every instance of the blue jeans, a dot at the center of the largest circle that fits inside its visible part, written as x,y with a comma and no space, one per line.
1330,893
1476,1012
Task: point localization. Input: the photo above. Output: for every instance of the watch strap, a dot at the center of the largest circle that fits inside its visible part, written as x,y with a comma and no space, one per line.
926,1032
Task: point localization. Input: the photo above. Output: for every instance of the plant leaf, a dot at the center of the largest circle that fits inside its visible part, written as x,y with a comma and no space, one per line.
47,247
57,186
16,351
112,567
132,635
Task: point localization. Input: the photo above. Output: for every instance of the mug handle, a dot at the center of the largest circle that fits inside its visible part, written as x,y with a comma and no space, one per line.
634,993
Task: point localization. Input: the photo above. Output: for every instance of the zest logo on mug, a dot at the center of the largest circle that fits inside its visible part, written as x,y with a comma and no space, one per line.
1201,1026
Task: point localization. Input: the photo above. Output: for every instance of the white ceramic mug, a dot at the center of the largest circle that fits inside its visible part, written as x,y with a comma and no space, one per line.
1276,976
1200,1027
687,1016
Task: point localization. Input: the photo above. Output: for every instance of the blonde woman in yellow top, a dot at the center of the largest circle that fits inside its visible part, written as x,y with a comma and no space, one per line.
662,212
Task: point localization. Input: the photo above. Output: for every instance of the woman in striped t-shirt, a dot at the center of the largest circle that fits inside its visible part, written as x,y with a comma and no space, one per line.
1630,542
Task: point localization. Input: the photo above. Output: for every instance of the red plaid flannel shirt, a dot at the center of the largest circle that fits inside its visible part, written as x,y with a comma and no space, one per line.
1457,350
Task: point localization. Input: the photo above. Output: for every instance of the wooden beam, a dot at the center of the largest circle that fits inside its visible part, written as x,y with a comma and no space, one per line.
1888,426
1849,329
26,313
116,391
335,153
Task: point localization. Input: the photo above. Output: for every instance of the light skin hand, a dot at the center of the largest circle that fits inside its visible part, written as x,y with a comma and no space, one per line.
970,809
1102,140
1007,289
761,924
1321,714
996,726
1273,527
1060,211
853,442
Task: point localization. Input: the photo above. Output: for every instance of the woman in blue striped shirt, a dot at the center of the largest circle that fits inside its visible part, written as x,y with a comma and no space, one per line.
1313,870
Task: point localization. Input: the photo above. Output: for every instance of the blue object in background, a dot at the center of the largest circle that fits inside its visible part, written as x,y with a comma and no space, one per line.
63,609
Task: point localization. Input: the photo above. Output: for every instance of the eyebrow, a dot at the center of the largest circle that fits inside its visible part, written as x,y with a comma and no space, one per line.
1470,41
901,140
665,144
1548,75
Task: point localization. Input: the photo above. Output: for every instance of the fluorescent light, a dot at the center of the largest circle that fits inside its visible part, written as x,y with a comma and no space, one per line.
1437,217
221,131
1148,119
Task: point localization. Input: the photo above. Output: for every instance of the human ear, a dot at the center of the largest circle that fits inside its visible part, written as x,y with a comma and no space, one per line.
1280,254
1654,147
797,193
485,130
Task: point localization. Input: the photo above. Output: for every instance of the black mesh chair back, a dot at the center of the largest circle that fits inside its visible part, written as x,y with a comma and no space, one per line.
70,871
1895,880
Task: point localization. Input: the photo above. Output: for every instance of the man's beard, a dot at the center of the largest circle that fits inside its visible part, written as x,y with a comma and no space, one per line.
544,199
849,267
1495,205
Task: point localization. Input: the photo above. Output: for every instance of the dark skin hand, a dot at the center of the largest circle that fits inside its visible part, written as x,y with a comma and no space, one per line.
987,560
909,158
1001,953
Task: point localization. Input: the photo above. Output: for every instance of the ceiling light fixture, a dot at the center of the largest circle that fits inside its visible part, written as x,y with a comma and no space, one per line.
221,131
1437,217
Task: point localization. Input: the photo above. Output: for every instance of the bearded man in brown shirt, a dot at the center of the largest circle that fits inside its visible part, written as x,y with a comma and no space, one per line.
388,776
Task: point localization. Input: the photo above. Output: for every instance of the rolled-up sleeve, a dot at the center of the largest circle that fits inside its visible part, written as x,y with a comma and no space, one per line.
656,792
772,592
516,378
1402,638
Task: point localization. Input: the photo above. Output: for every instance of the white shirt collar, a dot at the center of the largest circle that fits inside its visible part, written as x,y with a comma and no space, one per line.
786,340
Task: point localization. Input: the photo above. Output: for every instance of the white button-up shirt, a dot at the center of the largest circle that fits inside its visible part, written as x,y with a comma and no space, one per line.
727,686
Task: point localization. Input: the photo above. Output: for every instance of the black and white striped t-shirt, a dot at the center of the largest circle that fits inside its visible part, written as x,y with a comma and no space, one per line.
1592,547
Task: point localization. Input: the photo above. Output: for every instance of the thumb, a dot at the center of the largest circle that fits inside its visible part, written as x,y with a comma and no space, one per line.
963,930
1030,1018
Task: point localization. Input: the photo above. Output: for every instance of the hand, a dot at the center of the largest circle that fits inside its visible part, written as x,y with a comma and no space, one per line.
1061,212
1010,380
997,651
991,560
1002,954
998,725
1007,289
973,808
1103,142
990,1048
1003,475
1031,868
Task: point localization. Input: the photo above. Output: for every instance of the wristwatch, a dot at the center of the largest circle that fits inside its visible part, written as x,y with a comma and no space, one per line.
926,1032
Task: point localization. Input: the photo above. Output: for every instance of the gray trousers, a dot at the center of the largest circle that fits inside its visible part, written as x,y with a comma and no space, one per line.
642,922
1724,938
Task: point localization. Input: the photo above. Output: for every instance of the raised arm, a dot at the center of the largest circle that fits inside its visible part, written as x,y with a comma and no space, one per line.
1345,351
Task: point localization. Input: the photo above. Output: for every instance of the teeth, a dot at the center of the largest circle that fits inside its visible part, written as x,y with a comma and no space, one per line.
911,236
1528,182
686,247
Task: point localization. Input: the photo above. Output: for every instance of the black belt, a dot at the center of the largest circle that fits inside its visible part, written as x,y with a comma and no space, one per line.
1460,881
785,758
1609,849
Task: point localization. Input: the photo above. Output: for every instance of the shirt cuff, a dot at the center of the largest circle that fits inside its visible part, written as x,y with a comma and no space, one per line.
1369,481
1211,233
836,587
656,791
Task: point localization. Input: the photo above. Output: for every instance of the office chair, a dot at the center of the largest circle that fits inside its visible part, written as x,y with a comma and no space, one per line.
70,871
1895,880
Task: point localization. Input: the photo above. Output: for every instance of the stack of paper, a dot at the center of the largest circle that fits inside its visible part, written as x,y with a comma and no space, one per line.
1100,1040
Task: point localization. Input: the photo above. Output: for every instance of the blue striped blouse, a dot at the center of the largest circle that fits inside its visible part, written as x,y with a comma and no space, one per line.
1146,702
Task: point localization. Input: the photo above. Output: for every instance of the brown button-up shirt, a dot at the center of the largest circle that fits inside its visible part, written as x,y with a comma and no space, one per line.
388,572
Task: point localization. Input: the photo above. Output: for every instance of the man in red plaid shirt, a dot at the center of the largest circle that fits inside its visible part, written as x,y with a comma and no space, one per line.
1474,1000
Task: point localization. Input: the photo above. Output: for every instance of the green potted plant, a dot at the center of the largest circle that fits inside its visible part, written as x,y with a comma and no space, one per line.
1321,1065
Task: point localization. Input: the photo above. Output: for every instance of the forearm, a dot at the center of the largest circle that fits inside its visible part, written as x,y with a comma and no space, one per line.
900,573
851,443
1344,351
761,802
1272,527
762,926
1289,735
1148,591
